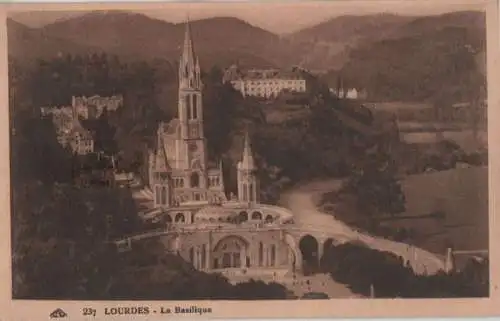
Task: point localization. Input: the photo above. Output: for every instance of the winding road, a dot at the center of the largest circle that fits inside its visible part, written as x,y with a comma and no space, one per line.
303,202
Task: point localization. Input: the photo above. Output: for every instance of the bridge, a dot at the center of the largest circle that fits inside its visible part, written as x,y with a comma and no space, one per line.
306,243
292,232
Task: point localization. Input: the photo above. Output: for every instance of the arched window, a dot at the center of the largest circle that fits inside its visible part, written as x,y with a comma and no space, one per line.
163,195
196,164
243,216
261,254
188,106
269,218
195,107
180,218
157,194
231,252
256,216
250,192
195,180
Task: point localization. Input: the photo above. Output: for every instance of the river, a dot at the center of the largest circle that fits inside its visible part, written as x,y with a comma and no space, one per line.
303,202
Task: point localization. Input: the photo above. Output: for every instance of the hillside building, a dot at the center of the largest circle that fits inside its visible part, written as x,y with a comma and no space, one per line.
69,130
66,119
264,83
93,107
349,93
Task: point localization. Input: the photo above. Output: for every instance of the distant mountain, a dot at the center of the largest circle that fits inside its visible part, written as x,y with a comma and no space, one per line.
349,28
135,36
470,20
388,55
25,43
328,45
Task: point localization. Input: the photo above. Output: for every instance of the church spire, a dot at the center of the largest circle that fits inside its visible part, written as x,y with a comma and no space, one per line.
188,49
189,69
247,161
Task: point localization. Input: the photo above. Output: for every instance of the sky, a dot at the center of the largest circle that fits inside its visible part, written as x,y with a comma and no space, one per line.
276,16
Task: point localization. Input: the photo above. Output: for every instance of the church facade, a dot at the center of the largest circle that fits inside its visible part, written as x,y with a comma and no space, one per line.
179,171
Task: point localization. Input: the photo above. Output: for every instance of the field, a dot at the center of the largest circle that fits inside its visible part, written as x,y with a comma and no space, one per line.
277,113
461,194
464,138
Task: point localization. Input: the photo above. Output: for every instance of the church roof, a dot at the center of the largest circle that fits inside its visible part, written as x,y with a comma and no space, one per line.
160,160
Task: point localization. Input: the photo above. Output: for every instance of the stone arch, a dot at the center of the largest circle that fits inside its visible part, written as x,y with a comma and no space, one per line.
180,218
256,215
309,248
328,246
231,252
196,164
194,179
296,259
243,216
269,218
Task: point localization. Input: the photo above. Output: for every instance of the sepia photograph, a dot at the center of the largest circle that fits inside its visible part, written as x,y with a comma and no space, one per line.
279,151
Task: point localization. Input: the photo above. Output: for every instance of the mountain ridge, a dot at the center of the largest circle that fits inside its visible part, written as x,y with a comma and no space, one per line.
340,44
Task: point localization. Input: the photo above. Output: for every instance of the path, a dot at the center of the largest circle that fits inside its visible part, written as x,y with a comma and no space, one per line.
303,202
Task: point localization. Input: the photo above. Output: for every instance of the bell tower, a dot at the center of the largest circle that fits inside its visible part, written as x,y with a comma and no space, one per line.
190,108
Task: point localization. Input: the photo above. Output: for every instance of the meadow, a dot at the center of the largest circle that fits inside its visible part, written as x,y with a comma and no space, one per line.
443,209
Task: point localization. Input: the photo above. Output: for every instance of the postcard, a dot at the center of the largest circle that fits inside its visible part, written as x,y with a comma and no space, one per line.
249,159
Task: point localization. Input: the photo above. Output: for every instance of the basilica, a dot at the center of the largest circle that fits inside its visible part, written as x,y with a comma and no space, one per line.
203,225
179,171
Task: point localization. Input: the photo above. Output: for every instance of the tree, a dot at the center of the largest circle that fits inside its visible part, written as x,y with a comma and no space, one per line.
375,185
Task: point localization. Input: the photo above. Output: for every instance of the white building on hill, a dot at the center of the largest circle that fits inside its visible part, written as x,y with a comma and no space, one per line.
265,83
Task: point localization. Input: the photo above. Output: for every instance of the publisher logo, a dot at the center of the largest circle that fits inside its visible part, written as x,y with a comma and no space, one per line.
58,313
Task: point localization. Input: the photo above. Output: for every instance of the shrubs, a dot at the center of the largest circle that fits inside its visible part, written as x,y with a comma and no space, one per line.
360,267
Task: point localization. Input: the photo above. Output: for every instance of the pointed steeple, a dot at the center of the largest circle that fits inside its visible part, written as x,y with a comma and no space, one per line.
247,161
189,69
188,49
